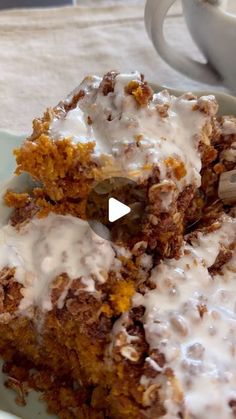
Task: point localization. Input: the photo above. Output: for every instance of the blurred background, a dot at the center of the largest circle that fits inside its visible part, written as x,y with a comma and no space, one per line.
32,3
46,51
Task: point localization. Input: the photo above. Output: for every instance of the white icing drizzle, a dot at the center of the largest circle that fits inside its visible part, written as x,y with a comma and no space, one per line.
229,126
119,326
200,350
229,154
45,248
117,122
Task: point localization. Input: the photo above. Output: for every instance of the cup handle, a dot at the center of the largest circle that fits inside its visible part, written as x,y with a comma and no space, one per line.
155,13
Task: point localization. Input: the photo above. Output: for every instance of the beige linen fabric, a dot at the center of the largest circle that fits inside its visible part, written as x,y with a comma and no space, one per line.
45,53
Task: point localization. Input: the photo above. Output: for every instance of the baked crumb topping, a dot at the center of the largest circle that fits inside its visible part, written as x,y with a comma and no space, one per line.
129,111
190,319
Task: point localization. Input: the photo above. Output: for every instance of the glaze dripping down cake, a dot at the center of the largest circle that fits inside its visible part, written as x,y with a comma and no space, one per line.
142,326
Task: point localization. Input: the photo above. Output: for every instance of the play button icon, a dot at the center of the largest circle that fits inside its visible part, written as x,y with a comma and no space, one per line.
116,210
118,204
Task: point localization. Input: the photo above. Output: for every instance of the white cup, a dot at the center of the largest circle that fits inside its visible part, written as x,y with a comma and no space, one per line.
213,30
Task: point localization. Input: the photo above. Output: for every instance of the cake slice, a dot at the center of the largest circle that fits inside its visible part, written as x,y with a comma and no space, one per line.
61,289
140,327
102,335
116,126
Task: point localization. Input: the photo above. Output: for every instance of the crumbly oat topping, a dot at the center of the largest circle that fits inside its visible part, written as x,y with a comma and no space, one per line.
190,318
169,129
45,248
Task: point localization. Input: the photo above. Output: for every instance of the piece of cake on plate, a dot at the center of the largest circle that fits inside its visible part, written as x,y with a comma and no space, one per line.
140,327
116,126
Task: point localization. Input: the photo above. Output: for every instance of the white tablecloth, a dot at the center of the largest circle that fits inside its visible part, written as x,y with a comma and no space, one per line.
46,52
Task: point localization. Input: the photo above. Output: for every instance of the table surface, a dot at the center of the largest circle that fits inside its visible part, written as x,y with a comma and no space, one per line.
46,52
5,4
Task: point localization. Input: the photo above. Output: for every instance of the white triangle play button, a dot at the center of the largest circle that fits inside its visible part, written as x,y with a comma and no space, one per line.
116,210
